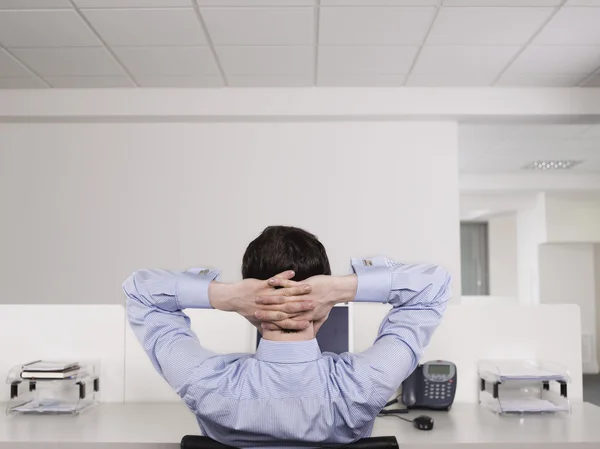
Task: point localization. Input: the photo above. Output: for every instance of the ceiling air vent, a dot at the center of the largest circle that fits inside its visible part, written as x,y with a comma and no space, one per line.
552,165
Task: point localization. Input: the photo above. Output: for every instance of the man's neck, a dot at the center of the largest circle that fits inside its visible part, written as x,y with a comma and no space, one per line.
306,334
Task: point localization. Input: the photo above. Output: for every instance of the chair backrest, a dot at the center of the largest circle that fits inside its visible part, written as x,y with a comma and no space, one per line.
200,442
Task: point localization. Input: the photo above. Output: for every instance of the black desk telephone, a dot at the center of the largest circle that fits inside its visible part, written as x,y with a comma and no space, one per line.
431,386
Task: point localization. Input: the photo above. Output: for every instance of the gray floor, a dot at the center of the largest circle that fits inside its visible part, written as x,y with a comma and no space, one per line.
591,388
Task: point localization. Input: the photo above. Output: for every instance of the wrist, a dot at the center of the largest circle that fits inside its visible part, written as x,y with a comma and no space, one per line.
345,288
220,295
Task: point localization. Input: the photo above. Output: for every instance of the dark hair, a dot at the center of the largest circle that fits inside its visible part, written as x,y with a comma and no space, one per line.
281,248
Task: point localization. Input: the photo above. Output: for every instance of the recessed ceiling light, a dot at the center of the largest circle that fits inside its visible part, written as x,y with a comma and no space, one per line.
552,165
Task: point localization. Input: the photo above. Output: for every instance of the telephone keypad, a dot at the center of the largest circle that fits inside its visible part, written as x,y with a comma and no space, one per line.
437,390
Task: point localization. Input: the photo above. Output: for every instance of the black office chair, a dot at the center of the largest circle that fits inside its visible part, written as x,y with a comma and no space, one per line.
200,442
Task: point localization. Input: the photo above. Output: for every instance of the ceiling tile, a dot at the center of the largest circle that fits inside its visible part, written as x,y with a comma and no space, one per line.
467,166
180,81
167,61
570,153
465,153
517,158
69,61
260,26
256,2
594,81
572,26
582,3
590,164
566,145
513,79
266,60
11,67
77,82
270,80
34,4
21,83
497,162
136,27
502,2
362,80
449,80
544,134
380,2
557,59
365,60
541,149
132,3
374,26
486,26
468,160
48,28
472,152
478,62
593,132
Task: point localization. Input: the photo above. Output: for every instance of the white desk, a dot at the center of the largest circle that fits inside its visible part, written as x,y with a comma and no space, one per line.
161,426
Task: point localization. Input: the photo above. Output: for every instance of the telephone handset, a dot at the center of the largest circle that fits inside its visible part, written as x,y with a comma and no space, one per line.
430,386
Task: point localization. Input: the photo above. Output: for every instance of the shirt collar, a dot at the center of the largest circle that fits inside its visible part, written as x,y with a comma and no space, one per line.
288,351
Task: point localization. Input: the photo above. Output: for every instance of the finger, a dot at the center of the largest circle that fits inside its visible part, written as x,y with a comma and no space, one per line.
270,315
270,300
286,324
281,282
289,274
269,327
294,307
306,316
298,307
284,295
293,324
299,290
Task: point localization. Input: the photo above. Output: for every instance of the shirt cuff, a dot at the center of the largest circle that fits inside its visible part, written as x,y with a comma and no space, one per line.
374,282
192,288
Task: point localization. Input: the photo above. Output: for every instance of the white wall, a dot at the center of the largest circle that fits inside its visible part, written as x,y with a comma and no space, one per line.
573,218
502,241
531,232
391,103
567,277
86,204
488,300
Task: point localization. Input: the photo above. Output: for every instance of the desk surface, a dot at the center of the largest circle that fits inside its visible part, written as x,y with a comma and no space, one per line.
151,425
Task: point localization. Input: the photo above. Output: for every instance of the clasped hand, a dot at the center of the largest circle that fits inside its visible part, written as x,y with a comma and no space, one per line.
280,303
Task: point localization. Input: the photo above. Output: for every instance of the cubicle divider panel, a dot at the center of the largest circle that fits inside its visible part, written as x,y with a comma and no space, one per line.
467,333
65,332
222,332
472,332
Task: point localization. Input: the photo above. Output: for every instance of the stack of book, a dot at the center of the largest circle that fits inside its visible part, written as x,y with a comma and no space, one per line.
41,369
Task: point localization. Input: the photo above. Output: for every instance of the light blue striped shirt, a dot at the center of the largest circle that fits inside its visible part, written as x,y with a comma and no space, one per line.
288,391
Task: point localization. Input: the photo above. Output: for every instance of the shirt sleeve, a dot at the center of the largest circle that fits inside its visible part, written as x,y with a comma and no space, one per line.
418,295
155,299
